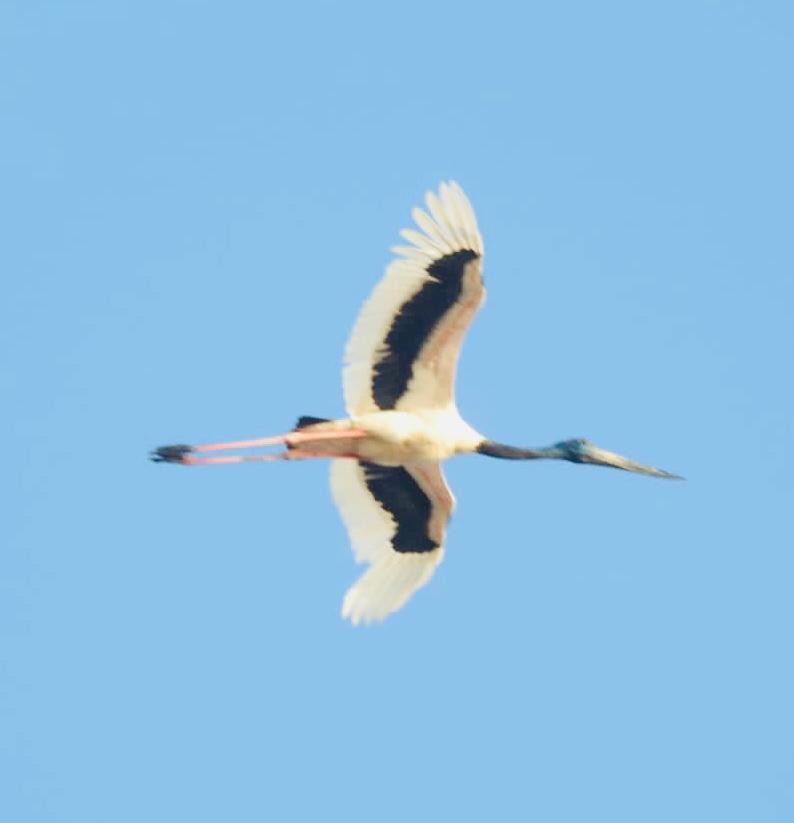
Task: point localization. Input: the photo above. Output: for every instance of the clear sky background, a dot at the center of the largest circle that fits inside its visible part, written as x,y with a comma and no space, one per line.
196,198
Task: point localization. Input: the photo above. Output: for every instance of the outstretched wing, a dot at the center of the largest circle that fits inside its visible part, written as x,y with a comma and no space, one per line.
403,350
396,517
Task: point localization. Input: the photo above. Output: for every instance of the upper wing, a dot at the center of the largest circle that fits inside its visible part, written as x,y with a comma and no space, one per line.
404,346
396,517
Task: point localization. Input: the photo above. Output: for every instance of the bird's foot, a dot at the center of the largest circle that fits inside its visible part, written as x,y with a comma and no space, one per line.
171,454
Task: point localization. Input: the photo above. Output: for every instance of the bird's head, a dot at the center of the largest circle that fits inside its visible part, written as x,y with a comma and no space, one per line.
576,450
580,450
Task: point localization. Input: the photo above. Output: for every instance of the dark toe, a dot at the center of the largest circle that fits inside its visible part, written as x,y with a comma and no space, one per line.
170,454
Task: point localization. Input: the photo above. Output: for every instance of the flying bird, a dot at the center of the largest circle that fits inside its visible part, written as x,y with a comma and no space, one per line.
399,381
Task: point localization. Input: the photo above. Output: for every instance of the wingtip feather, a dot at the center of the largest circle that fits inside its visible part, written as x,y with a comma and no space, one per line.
386,586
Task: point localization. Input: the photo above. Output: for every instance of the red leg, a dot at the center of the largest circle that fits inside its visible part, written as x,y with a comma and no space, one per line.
293,438
239,444
294,454
183,453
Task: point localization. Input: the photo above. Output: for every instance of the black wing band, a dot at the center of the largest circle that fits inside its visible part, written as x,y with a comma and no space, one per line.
414,323
401,496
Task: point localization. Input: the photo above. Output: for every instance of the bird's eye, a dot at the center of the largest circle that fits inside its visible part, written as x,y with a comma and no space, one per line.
575,444
580,445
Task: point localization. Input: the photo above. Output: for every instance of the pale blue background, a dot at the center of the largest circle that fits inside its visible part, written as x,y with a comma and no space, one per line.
196,197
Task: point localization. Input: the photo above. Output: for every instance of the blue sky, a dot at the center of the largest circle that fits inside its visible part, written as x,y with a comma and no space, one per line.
196,199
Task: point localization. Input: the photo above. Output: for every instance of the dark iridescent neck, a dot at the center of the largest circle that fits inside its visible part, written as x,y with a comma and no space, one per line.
492,449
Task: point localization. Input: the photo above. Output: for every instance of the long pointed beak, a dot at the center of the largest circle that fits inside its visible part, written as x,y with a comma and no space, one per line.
590,453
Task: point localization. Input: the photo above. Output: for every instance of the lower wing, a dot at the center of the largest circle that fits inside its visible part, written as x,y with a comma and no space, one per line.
396,517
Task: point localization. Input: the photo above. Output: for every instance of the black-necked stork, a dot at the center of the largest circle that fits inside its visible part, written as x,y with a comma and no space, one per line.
398,379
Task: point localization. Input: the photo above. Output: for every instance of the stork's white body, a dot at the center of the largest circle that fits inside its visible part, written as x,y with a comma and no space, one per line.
395,438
